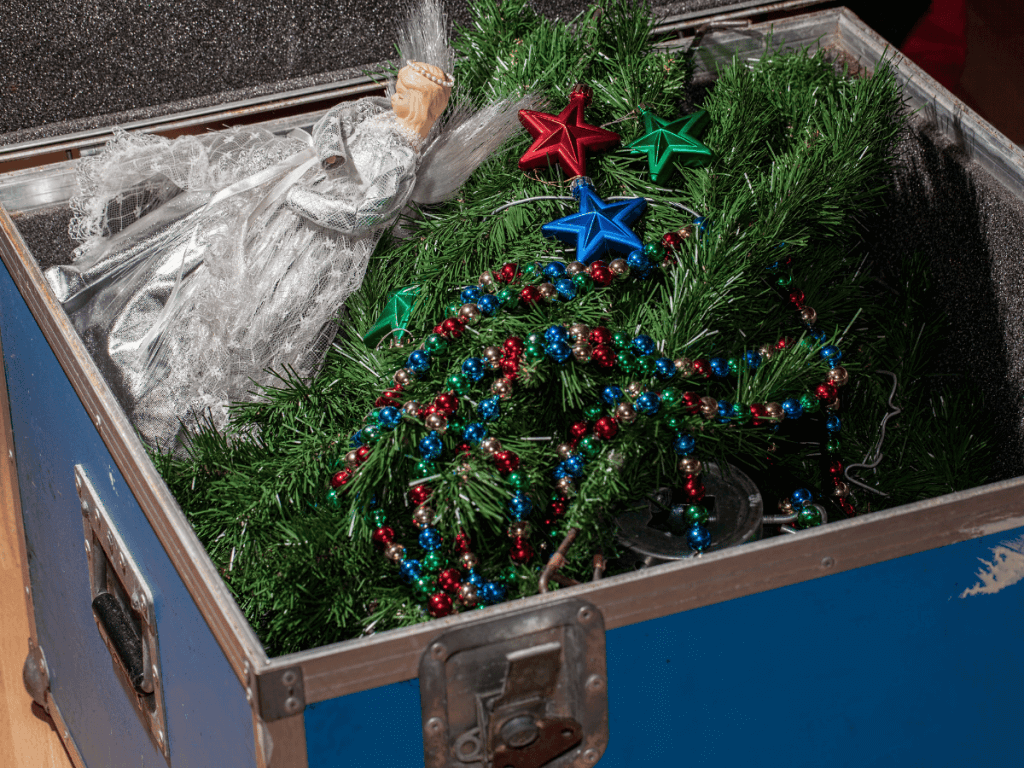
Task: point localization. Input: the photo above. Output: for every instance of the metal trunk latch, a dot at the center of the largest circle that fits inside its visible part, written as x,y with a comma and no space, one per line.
525,689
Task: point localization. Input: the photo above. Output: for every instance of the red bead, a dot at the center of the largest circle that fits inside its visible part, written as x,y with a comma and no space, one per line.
784,342
506,461
446,402
671,240
606,428
797,298
558,507
340,478
362,452
521,551
835,468
601,275
579,429
507,273
439,605
419,494
383,402
530,294
383,536
604,358
788,261
826,392
440,331
600,337
513,348
847,507
463,542
449,580
510,368
694,492
760,413
702,367
453,326
691,401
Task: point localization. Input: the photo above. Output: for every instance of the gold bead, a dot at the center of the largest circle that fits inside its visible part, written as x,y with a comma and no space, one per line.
411,408
634,389
493,356
351,460
582,352
467,595
690,466
684,366
486,279
574,268
470,313
564,450
774,411
765,352
423,516
490,445
625,413
834,405
708,407
579,331
565,486
685,232
842,489
501,387
547,291
838,375
437,422
518,528
395,552
808,315
785,506
468,560
619,267
403,377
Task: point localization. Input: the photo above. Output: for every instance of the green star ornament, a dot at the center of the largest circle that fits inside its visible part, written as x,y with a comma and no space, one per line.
664,139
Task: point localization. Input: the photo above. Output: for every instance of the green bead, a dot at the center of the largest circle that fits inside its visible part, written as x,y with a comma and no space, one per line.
453,308
673,421
457,383
338,464
809,403
654,251
425,468
535,338
434,561
519,480
582,282
370,434
530,270
456,424
626,362
670,398
734,365
784,280
593,412
534,352
622,340
374,417
378,519
696,515
743,412
645,365
808,517
509,575
435,344
589,447
334,498
832,446
507,297
423,587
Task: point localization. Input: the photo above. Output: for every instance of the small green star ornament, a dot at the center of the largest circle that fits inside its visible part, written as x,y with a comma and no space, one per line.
665,139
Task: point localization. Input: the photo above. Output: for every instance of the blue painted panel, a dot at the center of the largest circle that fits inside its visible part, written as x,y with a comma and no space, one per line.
893,664
208,720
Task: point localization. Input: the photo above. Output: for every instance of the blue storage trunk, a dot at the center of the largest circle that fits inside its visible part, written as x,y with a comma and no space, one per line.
892,638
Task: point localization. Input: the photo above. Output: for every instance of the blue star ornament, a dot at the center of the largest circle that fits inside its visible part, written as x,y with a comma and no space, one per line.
599,226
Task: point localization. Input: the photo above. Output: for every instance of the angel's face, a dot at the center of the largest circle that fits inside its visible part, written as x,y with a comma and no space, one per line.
405,101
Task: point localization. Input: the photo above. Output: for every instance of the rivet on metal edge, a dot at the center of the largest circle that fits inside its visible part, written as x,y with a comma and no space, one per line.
97,419
87,547
248,694
590,756
67,735
289,677
291,704
247,667
156,673
437,650
434,725
595,683
584,615
160,736
827,562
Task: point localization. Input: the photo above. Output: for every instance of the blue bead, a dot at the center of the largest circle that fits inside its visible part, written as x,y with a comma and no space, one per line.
699,538
558,351
833,424
409,570
644,345
566,289
684,445
431,539
612,394
474,433
473,367
559,471
475,579
491,592
753,360
724,410
648,403
643,274
702,224
389,417
488,304
520,506
431,446
792,408
356,440
817,334
556,333
638,261
831,353
664,368
419,361
801,496
574,465
719,366
554,270
470,295
489,409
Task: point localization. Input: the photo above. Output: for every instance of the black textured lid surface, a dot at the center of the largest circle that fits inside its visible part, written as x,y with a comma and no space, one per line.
70,65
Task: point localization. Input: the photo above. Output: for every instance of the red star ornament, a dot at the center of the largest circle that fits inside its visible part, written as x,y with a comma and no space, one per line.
564,138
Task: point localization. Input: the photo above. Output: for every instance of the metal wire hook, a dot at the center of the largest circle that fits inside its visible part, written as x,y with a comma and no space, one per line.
894,410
